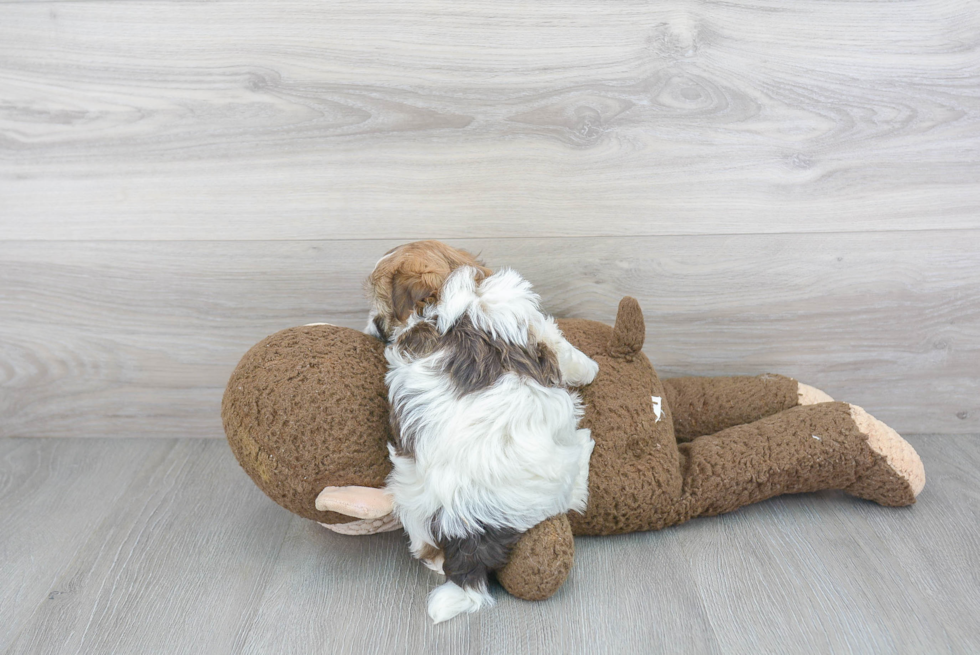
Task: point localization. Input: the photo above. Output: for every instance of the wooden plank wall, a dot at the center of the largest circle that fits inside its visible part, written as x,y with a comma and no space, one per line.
786,185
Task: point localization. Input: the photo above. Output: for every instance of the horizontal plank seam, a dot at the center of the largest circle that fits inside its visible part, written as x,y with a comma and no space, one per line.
504,238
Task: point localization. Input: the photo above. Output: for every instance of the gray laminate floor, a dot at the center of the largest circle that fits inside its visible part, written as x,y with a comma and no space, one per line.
164,545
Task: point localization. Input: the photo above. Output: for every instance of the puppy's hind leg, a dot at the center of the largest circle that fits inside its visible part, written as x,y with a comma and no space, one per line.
468,563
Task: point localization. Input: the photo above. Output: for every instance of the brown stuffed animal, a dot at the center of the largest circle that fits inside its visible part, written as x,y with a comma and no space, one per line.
306,414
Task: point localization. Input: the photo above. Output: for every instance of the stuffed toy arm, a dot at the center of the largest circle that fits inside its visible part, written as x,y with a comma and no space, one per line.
541,561
371,506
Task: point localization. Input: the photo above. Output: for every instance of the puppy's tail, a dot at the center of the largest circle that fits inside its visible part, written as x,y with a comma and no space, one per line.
469,561
450,599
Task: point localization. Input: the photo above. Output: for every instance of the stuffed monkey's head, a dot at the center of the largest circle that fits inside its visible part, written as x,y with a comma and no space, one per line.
307,409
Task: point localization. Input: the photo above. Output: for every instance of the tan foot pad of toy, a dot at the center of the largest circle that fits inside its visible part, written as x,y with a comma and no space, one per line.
810,396
898,470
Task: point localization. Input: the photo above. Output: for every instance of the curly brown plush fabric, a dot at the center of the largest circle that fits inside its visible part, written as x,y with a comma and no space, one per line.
807,448
634,470
708,405
307,408
541,561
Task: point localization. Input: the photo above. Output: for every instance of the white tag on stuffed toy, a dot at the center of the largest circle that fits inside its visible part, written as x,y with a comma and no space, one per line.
657,408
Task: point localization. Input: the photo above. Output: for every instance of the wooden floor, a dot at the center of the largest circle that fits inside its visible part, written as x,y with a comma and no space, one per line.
164,545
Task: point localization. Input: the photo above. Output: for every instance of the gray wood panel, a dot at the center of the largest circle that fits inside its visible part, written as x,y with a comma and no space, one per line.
53,495
162,119
192,558
139,338
179,564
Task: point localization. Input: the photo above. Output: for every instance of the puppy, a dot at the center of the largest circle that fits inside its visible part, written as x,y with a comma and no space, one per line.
486,443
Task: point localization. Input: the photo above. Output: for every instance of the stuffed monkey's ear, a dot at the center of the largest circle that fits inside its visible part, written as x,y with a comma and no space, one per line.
412,291
629,330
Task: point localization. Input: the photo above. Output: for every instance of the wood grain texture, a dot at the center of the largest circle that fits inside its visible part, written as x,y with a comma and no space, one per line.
192,558
53,494
185,551
123,338
159,119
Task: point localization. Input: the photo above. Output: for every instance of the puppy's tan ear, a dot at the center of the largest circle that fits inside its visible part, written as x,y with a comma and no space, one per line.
413,291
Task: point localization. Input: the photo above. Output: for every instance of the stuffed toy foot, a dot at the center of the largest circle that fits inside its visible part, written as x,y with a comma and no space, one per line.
897,471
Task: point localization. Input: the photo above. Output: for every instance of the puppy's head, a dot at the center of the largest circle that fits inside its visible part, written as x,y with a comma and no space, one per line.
408,278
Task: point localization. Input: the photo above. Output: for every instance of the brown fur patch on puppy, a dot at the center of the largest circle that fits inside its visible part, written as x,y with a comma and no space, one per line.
429,552
476,359
404,442
419,341
471,558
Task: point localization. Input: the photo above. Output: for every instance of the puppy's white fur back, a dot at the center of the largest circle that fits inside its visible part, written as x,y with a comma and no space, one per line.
509,455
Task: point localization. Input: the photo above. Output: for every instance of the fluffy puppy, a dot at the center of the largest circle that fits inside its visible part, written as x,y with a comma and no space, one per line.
485,428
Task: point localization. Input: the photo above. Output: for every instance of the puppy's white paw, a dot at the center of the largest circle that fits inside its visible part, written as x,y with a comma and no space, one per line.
579,369
448,600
